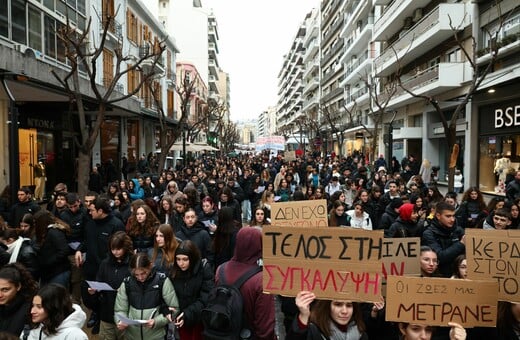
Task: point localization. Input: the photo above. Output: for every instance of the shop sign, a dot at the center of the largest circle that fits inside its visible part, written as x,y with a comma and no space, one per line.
500,118
507,117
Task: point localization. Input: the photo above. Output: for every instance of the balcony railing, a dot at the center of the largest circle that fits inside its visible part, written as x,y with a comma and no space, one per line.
333,93
114,27
407,38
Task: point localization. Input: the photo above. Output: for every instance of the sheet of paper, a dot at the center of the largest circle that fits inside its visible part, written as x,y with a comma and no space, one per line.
99,285
74,245
128,321
260,189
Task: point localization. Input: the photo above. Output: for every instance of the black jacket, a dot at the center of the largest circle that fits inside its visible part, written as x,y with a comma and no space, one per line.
15,315
446,243
95,244
192,289
402,228
198,235
53,253
20,209
77,222
113,273
388,218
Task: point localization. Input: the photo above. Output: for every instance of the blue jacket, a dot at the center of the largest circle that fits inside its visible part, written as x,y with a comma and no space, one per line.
138,192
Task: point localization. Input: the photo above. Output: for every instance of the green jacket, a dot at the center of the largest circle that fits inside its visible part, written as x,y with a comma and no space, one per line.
144,301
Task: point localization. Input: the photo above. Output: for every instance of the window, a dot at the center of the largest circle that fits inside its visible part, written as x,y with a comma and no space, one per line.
50,37
454,55
133,80
131,27
108,67
35,28
4,19
170,96
18,21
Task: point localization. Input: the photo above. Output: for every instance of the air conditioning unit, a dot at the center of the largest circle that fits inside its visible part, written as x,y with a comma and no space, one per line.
28,52
417,14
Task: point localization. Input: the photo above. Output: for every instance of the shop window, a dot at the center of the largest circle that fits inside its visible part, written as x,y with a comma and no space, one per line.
133,141
499,157
110,141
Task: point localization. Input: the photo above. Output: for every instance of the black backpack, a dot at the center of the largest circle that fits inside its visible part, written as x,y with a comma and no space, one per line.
223,316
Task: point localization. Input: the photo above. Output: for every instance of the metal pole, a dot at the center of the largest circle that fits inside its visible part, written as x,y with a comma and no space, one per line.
184,146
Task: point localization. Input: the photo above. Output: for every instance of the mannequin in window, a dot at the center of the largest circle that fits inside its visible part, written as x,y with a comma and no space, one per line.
39,179
501,167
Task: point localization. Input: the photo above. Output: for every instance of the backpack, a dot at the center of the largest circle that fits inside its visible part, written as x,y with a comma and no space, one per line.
223,316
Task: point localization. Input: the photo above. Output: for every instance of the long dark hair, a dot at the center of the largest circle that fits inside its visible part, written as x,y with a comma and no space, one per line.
189,249
225,229
320,316
42,220
58,305
19,276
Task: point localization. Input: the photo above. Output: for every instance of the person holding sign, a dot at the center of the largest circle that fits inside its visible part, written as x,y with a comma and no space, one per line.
336,319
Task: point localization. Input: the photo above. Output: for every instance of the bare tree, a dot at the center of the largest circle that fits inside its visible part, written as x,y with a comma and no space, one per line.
479,74
230,137
83,55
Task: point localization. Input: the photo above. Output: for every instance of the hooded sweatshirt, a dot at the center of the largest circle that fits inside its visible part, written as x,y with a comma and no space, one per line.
258,307
69,329
138,192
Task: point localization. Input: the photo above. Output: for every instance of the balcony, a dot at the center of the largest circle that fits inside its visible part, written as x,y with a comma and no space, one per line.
358,69
310,103
213,66
332,31
310,67
391,20
311,49
381,2
311,84
332,52
115,30
358,41
332,94
329,75
432,81
407,132
430,31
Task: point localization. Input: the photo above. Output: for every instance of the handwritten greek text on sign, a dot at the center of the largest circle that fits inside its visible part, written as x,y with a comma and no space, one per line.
309,214
437,301
495,255
335,263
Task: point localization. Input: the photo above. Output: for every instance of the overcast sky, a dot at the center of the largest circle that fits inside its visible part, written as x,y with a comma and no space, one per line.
254,36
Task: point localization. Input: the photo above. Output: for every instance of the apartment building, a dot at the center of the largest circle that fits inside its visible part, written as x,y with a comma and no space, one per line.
46,127
290,82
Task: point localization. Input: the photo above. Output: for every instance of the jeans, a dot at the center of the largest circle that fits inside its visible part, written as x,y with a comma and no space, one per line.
62,279
246,210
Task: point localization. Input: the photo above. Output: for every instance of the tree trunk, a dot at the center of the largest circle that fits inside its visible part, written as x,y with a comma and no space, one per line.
84,167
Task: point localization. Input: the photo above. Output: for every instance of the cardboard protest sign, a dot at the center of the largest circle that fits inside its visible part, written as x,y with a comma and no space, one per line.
437,301
312,213
401,256
334,263
495,255
290,156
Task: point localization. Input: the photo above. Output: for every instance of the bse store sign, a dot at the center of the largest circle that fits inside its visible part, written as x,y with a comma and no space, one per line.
502,117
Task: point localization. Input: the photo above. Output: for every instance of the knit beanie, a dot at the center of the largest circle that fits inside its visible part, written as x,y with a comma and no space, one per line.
405,211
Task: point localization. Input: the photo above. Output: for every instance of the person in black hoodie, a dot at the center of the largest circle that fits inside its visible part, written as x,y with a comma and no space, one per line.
112,271
391,213
18,288
195,231
192,279
406,224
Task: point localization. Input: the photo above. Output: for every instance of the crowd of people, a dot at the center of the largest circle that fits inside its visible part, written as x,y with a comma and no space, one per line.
157,241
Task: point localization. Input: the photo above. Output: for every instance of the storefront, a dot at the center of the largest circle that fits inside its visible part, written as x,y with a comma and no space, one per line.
499,144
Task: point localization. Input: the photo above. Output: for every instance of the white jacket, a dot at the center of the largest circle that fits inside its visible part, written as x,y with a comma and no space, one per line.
361,223
69,329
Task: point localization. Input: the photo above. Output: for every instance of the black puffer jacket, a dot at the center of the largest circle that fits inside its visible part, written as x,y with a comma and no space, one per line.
388,218
198,235
112,272
446,243
192,290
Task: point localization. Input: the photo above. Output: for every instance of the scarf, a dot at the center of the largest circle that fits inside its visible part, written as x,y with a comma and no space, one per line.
352,332
14,249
